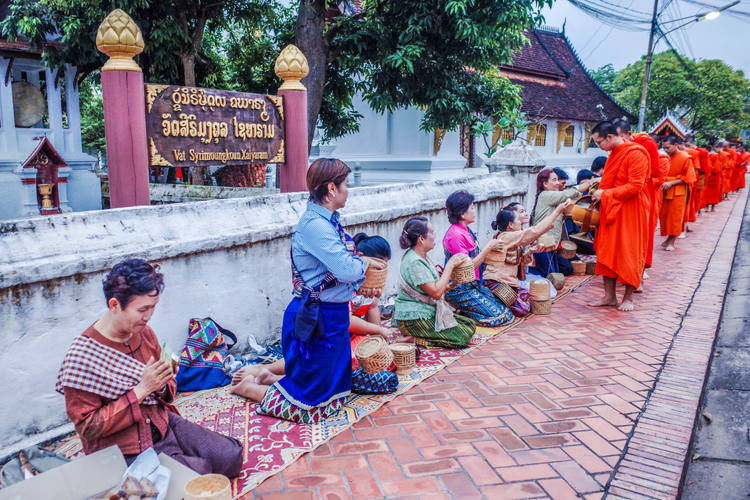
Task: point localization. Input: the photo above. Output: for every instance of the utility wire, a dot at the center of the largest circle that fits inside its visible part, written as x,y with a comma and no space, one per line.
733,11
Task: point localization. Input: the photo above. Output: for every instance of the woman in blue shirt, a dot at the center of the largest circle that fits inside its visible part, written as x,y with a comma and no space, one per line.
315,332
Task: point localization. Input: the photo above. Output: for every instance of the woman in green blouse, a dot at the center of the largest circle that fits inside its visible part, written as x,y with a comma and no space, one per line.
421,310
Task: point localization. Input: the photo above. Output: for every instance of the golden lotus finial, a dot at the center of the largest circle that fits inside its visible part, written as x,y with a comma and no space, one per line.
291,66
121,39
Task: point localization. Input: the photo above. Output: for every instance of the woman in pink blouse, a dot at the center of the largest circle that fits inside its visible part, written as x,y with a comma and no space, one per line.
474,299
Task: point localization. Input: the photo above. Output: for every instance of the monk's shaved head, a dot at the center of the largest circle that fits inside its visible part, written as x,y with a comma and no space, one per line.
604,128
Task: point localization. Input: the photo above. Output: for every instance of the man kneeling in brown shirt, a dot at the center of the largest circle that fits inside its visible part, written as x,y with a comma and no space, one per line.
119,392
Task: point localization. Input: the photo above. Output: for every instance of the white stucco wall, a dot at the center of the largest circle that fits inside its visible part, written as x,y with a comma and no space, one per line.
227,259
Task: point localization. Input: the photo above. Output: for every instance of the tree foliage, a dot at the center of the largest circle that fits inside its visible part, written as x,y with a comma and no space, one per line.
711,96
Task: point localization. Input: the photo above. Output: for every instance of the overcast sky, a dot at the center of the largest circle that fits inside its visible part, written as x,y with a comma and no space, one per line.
726,38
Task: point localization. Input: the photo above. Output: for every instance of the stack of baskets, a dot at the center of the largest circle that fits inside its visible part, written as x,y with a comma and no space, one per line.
373,354
540,299
506,294
375,278
463,272
579,268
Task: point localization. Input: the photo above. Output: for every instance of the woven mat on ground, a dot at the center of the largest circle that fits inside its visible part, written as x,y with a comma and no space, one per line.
272,444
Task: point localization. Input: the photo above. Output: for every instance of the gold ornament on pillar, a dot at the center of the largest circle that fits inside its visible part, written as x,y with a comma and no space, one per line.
121,39
291,66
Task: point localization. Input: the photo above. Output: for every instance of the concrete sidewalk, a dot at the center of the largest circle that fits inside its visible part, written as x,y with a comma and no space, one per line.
584,403
720,466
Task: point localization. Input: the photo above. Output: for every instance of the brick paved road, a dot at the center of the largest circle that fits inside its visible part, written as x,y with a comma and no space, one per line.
584,403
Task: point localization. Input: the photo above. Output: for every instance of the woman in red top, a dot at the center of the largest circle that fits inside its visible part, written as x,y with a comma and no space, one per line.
119,392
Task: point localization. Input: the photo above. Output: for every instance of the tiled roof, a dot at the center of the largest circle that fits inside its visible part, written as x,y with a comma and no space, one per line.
555,83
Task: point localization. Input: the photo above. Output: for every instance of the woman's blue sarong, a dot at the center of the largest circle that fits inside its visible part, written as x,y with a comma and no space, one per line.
478,302
318,372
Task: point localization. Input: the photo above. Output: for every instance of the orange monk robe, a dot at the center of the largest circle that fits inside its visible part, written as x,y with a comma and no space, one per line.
744,161
713,181
663,171
621,236
737,171
654,177
704,170
726,172
691,212
672,217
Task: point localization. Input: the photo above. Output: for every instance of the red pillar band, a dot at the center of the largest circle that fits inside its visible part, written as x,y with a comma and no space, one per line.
125,128
292,173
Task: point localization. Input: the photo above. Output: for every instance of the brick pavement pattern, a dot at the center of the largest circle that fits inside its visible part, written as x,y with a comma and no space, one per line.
584,403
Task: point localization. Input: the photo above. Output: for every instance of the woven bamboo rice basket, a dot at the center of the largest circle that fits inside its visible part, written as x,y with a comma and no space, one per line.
506,294
539,289
591,267
579,268
375,278
208,487
567,249
404,356
585,214
373,354
557,280
541,306
464,272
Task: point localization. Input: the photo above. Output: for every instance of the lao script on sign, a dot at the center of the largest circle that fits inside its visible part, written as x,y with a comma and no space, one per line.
193,127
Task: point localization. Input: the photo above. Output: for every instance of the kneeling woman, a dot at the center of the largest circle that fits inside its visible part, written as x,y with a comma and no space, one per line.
505,265
315,331
421,311
473,298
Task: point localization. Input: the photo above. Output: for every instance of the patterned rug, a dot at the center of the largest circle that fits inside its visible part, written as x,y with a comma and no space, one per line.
271,444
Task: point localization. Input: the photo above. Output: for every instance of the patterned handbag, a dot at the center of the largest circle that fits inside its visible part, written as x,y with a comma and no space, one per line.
202,358
374,383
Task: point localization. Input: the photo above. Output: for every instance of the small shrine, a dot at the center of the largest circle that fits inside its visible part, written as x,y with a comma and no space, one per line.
44,178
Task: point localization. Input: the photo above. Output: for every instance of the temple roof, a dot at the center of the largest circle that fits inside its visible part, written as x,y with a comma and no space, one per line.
669,124
556,84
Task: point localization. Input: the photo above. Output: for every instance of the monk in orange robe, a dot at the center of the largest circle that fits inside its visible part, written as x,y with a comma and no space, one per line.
697,192
624,208
742,164
652,147
726,169
713,181
690,206
676,188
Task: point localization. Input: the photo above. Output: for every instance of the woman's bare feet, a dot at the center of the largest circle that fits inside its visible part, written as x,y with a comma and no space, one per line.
246,371
626,306
266,377
249,389
604,302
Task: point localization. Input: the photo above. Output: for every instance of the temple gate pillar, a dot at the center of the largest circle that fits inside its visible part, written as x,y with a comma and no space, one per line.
124,98
291,66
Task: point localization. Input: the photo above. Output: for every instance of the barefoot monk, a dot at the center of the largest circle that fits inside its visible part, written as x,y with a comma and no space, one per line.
621,240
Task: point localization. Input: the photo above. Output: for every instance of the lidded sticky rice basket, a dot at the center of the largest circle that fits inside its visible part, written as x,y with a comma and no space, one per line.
579,267
464,272
373,354
208,487
567,249
541,306
505,293
404,356
557,280
539,289
375,278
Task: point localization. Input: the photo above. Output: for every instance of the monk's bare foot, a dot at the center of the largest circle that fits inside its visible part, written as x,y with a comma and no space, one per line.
266,377
645,275
688,230
639,289
682,236
664,243
626,306
250,390
669,248
604,302
245,371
